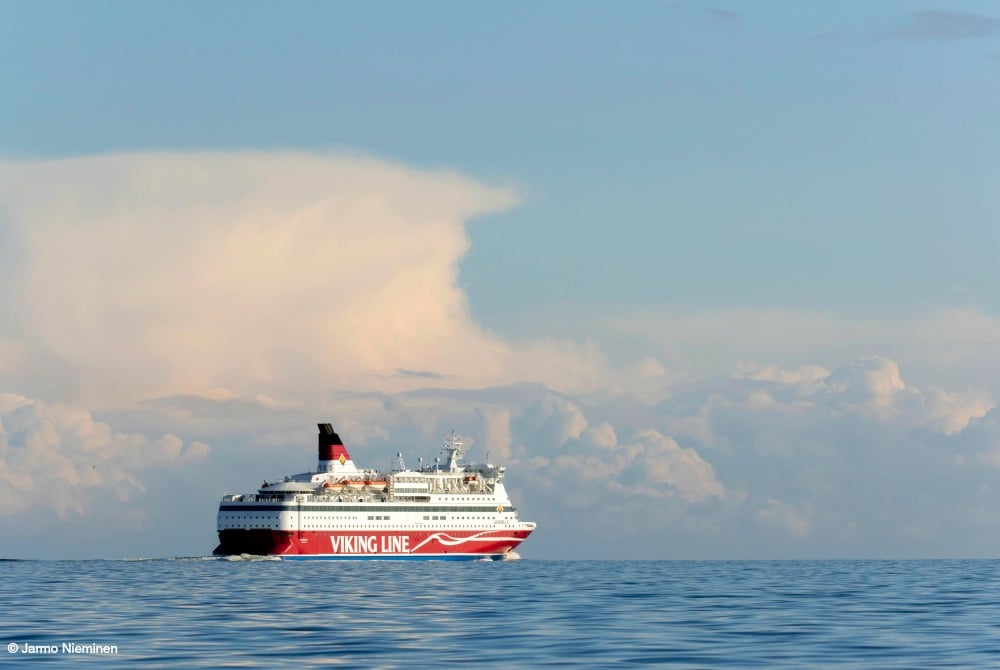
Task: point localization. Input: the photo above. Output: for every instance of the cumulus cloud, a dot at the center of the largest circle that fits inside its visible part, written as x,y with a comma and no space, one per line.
156,274
554,420
874,385
589,464
945,347
781,459
870,384
853,460
54,456
602,435
869,387
655,465
950,412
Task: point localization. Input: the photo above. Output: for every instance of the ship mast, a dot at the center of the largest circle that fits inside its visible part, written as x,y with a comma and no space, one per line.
453,450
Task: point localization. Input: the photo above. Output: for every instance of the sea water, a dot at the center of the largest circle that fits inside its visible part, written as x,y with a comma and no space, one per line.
218,613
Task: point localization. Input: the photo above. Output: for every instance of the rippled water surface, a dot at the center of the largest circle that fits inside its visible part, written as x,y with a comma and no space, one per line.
211,613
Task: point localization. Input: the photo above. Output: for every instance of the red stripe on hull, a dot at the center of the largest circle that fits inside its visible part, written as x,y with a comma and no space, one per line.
265,542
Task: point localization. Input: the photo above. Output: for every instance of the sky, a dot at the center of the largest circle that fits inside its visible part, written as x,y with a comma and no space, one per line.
713,280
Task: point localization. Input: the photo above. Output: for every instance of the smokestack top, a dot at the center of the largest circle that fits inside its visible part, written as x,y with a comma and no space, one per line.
327,435
331,448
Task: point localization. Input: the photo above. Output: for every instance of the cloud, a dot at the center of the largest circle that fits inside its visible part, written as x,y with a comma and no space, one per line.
806,375
855,462
768,462
142,275
872,387
655,465
495,429
57,457
945,347
776,515
426,374
871,384
979,443
224,298
553,421
943,26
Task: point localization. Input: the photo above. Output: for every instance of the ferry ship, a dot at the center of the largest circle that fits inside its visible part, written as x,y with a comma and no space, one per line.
447,510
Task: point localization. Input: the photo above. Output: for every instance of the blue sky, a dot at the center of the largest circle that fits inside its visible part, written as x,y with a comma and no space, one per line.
652,211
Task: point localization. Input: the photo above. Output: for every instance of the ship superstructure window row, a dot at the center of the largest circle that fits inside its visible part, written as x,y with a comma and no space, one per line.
388,507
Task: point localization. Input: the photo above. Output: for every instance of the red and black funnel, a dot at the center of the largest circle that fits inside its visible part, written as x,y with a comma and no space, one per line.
331,448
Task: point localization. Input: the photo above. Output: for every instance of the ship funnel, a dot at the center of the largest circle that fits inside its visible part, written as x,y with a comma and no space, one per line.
331,448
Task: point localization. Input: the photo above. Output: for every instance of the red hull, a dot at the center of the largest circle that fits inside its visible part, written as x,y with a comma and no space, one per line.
370,544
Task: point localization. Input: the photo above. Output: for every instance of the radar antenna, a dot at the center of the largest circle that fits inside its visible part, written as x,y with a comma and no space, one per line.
453,450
